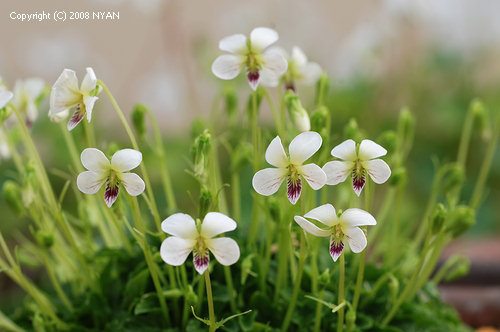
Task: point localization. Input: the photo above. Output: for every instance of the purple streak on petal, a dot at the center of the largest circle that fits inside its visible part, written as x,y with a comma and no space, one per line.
201,260
336,249
294,188
76,118
358,181
253,78
111,193
290,86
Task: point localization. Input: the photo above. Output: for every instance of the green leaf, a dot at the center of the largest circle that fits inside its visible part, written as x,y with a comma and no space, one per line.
225,320
135,287
332,306
206,321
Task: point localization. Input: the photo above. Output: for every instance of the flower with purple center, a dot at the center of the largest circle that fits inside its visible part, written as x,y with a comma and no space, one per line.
267,181
66,94
102,171
263,65
190,236
340,228
357,161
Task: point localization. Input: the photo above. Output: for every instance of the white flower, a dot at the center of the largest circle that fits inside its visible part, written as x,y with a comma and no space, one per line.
101,171
189,236
299,68
264,66
338,228
59,117
5,96
26,94
4,147
267,181
357,162
66,94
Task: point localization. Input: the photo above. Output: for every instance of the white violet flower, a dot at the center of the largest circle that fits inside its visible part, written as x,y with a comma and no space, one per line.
101,171
339,228
26,94
300,70
267,181
66,94
357,162
263,65
190,236
5,97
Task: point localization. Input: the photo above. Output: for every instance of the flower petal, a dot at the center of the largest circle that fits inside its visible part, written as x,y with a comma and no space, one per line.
76,118
89,182
261,37
298,56
311,228
174,250
234,44
303,146
336,248
225,250
253,79
201,260
180,225
357,217
94,160
345,150
5,97
133,183
267,181
89,82
266,77
111,193
325,214
294,189
311,73
378,169
33,87
369,150
65,92
337,171
227,66
273,64
126,159
356,238
216,223
358,180
89,105
275,153
314,175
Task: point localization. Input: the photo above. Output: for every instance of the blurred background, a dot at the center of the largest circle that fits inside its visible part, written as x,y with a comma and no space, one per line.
432,56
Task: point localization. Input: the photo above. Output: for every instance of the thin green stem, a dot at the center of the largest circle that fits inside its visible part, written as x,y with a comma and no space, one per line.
210,301
13,151
89,133
276,115
340,324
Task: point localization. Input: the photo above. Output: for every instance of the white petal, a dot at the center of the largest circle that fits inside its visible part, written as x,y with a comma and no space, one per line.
90,182
274,63
325,214
89,82
267,181
369,150
126,159
5,97
216,223
314,175
234,44
336,248
378,169
260,38
280,50
275,153
358,217
227,66
298,56
33,87
356,238
345,150
133,183
180,225
89,105
267,78
311,228
174,250
94,160
337,171
65,92
225,250
201,260
311,73
303,146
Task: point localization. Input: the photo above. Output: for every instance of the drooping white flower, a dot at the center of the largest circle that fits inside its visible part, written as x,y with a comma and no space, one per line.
339,228
66,94
5,96
26,94
263,65
300,70
357,162
267,181
102,171
188,236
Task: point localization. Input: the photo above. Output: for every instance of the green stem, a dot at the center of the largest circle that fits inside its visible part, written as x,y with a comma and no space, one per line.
465,138
283,247
276,115
13,151
359,280
319,311
235,190
340,324
210,301
89,133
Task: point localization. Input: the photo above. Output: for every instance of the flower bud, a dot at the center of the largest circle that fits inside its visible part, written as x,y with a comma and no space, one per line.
351,130
460,220
197,128
5,113
455,178
297,112
246,267
481,116
461,268
13,197
406,125
44,239
139,119
322,88
205,201
319,118
199,153
389,140
438,218
398,177
231,100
